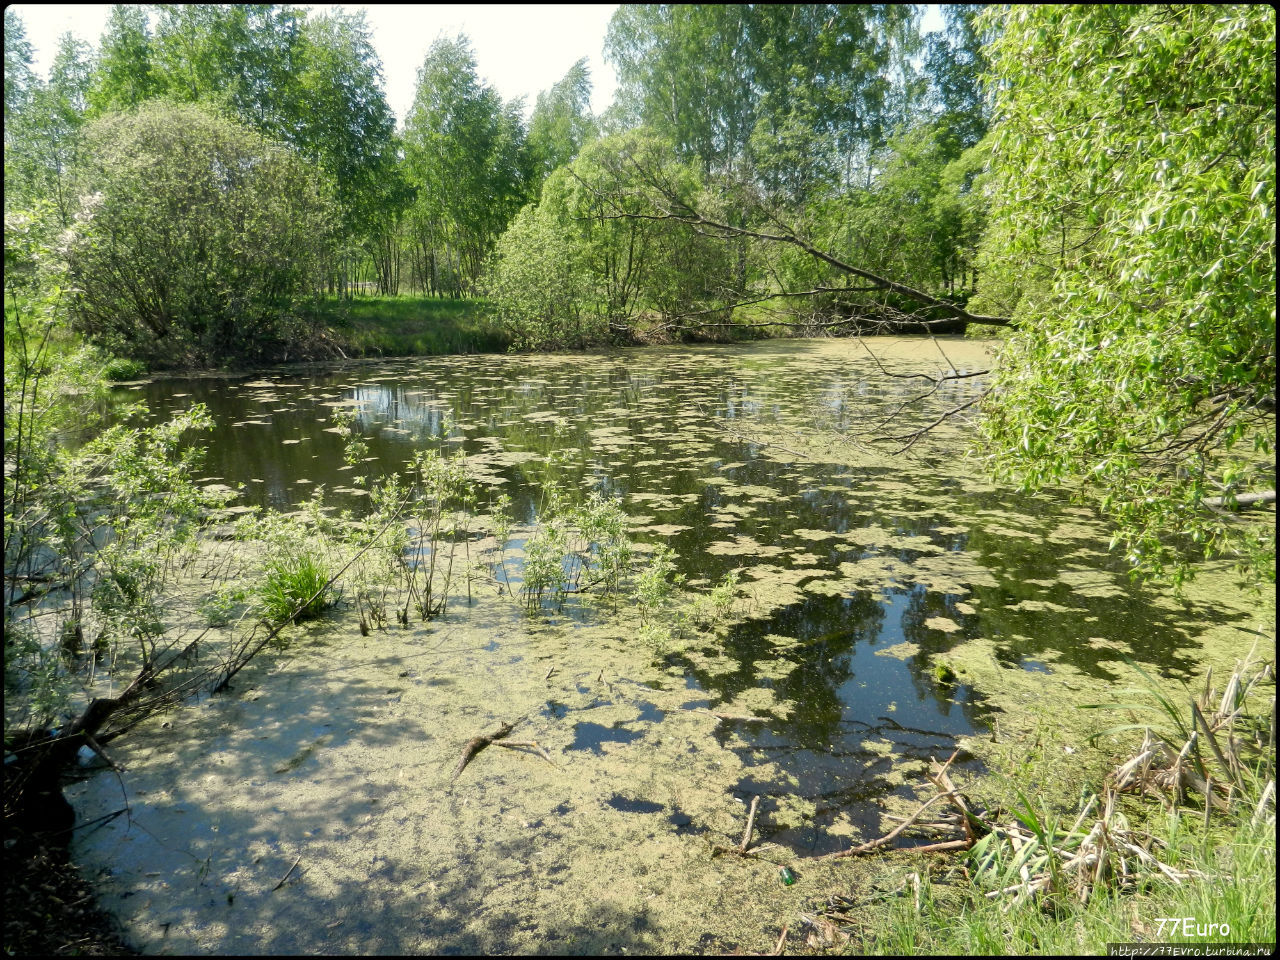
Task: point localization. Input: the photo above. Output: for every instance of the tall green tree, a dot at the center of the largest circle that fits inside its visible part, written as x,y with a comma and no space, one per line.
954,66
126,74
313,83
1134,175
683,73
19,78
797,92
44,136
244,56
462,148
560,125
19,84
587,261
341,121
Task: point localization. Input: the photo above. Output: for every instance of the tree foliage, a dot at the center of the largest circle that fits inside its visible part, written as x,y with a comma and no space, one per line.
343,124
953,67
1134,183
462,152
244,56
799,93
196,240
43,135
583,264
18,75
127,73
560,125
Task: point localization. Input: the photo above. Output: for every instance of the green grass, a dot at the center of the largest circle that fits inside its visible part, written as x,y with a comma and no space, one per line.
295,584
1219,867
401,326
952,916
61,343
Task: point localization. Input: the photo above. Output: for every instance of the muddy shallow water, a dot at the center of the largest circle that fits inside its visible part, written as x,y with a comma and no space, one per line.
859,575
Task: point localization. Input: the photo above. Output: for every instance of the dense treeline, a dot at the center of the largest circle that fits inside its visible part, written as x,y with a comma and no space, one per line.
796,106
1102,179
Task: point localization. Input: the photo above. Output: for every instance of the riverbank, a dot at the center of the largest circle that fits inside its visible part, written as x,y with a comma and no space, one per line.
49,908
1174,845
410,326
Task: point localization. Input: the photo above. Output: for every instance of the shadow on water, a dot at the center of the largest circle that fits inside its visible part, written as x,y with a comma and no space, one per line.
956,564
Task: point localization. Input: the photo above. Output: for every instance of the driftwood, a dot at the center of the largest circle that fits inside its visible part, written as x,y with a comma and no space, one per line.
1242,500
872,845
751,824
744,848
532,745
734,717
287,874
476,744
973,828
782,938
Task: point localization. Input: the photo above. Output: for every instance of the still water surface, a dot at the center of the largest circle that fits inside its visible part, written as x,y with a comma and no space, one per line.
859,573
936,556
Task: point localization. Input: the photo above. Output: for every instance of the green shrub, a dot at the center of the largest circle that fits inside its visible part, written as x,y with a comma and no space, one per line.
123,368
196,240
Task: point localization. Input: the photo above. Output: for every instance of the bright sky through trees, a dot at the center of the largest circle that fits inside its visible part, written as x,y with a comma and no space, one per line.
520,49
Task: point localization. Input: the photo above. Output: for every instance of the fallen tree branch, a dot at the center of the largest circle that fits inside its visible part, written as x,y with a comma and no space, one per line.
680,210
1242,501
733,717
873,845
526,745
751,825
287,874
476,744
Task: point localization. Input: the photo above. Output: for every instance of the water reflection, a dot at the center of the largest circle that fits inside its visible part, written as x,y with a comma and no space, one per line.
844,561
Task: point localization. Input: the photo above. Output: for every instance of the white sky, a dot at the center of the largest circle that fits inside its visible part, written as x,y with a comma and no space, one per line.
519,49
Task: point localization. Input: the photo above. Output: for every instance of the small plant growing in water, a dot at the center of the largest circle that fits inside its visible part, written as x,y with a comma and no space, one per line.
219,607
656,583
501,520
440,501
576,549
654,594
296,583
715,609
354,446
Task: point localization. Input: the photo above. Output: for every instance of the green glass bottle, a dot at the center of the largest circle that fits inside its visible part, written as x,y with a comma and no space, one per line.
787,876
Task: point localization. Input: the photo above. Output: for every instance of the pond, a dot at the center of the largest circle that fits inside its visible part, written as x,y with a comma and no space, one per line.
888,610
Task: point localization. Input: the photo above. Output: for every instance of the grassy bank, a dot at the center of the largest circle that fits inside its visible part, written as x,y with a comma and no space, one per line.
1231,881
1174,845
402,326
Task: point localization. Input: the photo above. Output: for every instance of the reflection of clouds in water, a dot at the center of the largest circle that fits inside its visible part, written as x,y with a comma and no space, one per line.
422,412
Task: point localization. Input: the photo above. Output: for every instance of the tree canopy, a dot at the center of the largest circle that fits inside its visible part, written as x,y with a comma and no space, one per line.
194,240
1134,172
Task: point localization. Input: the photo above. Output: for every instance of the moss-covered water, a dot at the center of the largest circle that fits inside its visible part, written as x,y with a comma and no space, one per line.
888,610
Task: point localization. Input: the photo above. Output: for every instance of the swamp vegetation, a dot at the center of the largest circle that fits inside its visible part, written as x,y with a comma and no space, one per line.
687,640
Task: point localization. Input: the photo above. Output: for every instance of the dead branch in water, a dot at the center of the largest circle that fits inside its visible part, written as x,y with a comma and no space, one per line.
287,874
476,744
744,848
751,825
532,745
733,717
872,845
